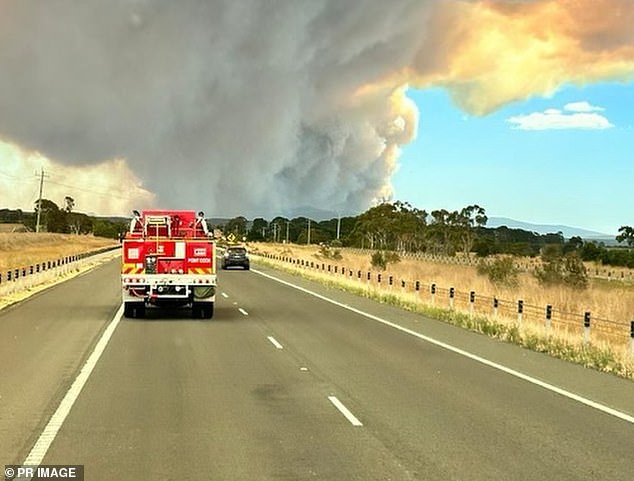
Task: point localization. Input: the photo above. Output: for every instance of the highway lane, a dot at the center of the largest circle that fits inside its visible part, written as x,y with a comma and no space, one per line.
44,340
173,398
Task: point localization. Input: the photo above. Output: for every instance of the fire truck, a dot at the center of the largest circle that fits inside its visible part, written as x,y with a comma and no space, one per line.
168,260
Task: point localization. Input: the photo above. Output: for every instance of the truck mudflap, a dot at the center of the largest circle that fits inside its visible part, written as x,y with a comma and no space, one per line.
204,292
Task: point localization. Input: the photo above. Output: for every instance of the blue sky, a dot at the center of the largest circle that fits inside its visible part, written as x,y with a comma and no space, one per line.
581,175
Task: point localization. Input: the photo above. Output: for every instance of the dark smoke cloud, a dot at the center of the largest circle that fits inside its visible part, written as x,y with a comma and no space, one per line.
262,106
233,106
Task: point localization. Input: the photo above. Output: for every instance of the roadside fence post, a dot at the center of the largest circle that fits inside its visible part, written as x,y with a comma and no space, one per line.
496,304
433,294
452,293
417,288
520,311
549,316
586,327
632,338
471,302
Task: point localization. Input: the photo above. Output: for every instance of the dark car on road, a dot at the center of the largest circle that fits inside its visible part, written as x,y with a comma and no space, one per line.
235,256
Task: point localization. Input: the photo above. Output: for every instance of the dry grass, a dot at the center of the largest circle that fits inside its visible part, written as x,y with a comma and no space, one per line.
611,304
24,249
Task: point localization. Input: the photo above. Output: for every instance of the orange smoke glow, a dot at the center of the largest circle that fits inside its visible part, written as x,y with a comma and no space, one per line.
493,52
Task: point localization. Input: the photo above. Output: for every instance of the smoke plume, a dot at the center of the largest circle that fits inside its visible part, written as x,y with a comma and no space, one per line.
251,107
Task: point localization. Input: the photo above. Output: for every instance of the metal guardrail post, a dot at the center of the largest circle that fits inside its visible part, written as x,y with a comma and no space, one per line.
586,327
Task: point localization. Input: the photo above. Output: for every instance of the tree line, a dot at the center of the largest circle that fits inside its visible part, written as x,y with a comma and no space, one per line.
389,226
64,220
400,227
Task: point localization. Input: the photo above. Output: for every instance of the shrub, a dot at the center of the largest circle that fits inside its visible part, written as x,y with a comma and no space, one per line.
563,270
501,272
380,259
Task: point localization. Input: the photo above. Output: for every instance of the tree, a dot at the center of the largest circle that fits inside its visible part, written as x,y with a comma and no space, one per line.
626,234
236,226
501,272
440,233
574,244
69,204
79,223
376,226
51,216
466,221
258,229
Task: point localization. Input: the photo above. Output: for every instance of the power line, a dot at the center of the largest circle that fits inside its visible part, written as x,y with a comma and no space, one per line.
13,177
91,191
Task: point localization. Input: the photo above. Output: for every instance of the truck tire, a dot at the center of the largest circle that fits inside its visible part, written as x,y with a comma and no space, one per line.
202,310
134,310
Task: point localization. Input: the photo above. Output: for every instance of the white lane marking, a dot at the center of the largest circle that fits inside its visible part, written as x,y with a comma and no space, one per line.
275,343
345,411
47,437
551,387
224,294
243,312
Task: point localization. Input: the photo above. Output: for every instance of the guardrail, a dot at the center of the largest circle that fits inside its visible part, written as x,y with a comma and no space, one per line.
583,326
26,277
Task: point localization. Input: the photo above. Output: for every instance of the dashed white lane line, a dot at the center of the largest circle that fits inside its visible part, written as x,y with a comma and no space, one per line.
224,294
520,375
275,343
345,411
243,312
47,437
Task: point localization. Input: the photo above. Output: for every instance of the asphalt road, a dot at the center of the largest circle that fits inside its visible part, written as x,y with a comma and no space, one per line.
250,394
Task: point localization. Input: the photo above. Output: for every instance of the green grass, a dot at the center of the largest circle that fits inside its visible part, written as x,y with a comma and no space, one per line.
601,358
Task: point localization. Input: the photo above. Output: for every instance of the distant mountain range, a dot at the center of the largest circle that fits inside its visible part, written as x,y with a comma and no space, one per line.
567,231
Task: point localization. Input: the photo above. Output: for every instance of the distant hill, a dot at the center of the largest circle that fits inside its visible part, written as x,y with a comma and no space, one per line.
567,231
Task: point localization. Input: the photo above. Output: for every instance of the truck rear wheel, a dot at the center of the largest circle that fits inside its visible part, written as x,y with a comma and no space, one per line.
202,310
134,310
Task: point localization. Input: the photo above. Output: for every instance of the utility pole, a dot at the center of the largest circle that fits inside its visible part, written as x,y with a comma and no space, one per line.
308,237
287,223
39,201
338,224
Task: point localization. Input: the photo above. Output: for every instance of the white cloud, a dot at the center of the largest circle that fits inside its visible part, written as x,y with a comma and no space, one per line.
582,107
583,116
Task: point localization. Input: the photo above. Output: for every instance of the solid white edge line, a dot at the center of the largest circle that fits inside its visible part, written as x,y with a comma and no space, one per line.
345,411
243,312
49,433
275,343
575,397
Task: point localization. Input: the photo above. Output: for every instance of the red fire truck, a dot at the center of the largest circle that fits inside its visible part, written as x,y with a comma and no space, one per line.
168,259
